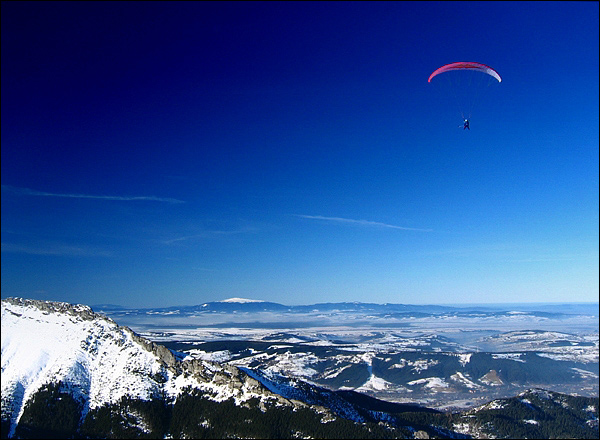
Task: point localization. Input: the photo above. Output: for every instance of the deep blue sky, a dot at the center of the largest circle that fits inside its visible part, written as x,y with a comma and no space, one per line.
160,154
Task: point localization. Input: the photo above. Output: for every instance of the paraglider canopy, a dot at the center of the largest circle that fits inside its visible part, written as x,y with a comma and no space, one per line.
466,65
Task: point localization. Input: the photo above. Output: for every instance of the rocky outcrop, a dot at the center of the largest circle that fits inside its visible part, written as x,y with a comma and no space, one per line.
77,310
163,353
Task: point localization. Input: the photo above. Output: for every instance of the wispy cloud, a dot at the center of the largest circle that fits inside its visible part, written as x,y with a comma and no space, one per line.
367,223
61,250
30,192
206,234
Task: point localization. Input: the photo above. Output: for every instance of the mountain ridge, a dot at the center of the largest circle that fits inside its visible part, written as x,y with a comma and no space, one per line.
250,305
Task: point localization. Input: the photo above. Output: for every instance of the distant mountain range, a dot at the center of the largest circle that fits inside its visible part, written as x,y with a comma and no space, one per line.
243,305
70,372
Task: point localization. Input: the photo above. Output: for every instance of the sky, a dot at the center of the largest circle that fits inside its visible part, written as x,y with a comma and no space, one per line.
174,153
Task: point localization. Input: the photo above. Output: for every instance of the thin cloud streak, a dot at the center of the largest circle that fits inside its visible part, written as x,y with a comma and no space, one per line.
54,250
207,234
361,222
30,192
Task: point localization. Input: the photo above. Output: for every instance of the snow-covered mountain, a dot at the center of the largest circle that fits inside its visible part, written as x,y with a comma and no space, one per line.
100,362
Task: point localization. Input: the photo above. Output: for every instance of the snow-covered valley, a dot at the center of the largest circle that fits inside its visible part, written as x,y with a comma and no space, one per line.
444,357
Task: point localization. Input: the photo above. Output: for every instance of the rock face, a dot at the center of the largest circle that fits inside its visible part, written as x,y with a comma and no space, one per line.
99,362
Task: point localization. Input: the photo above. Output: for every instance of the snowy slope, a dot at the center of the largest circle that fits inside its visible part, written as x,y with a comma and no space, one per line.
98,361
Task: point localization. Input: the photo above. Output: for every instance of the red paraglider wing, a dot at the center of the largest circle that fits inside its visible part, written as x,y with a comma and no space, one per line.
466,65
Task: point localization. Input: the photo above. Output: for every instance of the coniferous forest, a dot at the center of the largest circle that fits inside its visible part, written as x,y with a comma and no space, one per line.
55,413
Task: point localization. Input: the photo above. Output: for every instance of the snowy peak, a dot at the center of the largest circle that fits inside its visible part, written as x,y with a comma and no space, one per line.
241,300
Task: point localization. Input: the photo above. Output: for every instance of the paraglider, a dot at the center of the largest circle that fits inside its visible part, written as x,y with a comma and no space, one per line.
464,81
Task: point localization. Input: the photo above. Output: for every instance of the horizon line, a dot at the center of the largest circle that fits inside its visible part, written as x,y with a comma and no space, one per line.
254,301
